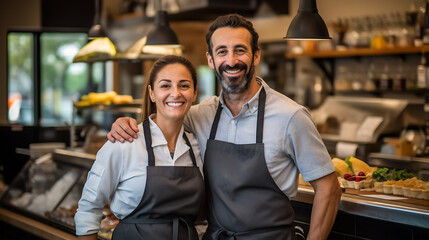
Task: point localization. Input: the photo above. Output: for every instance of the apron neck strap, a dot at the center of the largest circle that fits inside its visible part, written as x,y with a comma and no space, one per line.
216,121
261,112
191,152
260,119
148,140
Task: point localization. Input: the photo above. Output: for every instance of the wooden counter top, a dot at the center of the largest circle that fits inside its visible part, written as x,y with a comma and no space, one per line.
34,227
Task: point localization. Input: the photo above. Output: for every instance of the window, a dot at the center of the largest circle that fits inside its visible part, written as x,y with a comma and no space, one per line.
43,81
61,80
20,78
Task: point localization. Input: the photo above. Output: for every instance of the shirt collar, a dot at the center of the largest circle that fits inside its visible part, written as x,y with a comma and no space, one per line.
252,104
158,138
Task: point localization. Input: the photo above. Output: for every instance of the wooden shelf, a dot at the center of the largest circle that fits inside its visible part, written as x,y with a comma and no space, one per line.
359,52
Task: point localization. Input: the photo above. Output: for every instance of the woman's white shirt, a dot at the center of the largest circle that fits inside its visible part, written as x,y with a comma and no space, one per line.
118,176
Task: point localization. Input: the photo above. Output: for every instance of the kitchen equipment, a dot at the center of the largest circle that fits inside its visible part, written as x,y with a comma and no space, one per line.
416,135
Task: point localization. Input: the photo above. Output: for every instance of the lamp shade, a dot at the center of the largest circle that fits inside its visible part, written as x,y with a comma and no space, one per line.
307,24
162,34
96,31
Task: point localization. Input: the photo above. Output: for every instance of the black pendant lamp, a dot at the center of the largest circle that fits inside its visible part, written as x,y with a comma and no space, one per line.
100,47
307,24
162,34
97,31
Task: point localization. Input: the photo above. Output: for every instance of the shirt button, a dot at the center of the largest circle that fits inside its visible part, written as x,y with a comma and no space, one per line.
233,122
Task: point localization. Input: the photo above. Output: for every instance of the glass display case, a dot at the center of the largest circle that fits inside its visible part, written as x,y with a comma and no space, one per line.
48,188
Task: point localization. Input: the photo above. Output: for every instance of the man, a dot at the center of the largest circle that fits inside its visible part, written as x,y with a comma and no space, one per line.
258,139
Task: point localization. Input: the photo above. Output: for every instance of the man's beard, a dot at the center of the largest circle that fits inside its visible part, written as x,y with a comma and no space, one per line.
241,86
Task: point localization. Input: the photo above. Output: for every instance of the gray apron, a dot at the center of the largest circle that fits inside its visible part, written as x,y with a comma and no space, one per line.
170,203
244,202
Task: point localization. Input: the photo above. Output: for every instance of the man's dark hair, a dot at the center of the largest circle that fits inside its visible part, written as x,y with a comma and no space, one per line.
233,21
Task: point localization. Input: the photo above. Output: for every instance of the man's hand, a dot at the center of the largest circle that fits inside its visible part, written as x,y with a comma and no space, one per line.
123,128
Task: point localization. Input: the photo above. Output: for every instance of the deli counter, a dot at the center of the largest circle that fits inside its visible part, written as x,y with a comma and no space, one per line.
49,197
42,199
45,194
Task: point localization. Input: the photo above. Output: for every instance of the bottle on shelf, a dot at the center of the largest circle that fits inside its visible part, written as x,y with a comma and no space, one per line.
342,80
426,109
370,83
399,81
422,73
386,81
426,25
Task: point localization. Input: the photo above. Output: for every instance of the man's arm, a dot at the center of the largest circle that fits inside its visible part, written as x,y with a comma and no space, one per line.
88,237
124,128
325,205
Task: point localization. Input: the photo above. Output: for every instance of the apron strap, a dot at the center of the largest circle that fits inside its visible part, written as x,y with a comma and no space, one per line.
148,140
216,122
260,119
174,220
261,111
191,152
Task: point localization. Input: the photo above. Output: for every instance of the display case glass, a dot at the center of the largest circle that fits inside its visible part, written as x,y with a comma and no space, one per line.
48,188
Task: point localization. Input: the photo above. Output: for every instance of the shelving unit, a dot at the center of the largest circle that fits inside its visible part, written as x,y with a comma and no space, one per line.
359,52
133,107
326,60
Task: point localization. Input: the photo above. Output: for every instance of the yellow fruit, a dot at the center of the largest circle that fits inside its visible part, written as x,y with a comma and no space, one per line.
122,99
111,95
379,42
98,98
82,104
359,165
341,167
84,98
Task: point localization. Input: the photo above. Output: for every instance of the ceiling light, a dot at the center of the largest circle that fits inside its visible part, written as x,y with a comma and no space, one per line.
97,29
161,33
307,24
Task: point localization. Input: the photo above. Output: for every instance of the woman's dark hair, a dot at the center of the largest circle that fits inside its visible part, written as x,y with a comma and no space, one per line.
149,107
232,21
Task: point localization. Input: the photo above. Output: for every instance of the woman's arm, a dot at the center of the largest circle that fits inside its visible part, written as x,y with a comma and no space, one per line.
100,185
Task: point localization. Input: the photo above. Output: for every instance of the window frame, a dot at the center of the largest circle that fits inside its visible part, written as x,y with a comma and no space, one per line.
36,73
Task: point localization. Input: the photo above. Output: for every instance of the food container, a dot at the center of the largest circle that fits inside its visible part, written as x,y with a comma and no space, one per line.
358,185
417,193
379,187
388,189
397,190
425,193
350,184
368,183
343,182
407,191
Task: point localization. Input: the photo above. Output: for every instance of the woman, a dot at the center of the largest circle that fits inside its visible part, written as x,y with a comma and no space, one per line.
154,185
